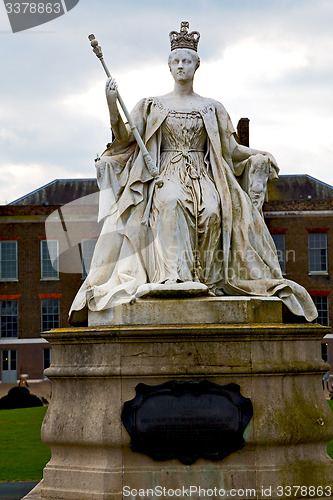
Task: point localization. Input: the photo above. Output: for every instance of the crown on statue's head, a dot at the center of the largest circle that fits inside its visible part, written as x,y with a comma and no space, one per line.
184,39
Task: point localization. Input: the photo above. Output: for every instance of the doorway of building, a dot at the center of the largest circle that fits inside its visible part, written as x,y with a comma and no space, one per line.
9,366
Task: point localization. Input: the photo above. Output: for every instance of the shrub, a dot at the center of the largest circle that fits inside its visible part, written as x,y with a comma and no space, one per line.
19,397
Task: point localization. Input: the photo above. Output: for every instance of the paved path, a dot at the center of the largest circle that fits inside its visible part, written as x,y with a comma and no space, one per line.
17,490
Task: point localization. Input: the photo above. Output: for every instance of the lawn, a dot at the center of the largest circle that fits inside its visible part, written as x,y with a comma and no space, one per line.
23,455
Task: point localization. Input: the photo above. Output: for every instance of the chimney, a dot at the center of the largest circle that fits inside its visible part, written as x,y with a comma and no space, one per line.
243,131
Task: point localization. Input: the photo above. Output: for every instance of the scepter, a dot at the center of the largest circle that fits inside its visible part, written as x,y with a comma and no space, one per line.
152,169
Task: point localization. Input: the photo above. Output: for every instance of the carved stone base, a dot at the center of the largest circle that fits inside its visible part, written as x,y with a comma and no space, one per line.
95,370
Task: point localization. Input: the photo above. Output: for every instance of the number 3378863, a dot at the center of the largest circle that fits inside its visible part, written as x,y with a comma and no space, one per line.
304,491
33,8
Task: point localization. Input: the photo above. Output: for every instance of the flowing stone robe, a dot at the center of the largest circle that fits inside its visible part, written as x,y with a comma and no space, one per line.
246,263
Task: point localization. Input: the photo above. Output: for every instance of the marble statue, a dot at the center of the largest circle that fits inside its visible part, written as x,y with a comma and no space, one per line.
198,226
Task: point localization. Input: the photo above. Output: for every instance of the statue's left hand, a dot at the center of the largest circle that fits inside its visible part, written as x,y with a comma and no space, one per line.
273,161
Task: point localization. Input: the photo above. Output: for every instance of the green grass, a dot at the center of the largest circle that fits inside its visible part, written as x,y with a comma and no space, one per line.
23,455
330,444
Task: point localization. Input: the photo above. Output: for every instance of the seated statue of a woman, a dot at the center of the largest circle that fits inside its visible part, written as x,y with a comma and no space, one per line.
201,221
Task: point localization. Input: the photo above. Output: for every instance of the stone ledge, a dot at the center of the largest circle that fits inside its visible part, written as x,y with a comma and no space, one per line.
197,310
185,333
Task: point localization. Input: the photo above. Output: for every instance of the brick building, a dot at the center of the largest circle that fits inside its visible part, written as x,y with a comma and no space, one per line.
36,296
299,215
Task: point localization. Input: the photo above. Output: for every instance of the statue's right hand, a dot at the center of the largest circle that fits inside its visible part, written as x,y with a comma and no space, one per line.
100,169
159,182
111,90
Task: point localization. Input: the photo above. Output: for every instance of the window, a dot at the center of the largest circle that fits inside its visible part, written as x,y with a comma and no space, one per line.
50,314
279,240
9,318
321,303
9,366
9,360
87,249
47,358
49,259
318,253
8,260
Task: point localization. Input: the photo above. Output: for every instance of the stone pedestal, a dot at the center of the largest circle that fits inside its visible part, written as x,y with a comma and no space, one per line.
95,370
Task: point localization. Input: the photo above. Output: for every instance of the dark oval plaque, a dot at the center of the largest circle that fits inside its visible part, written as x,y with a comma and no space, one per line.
187,420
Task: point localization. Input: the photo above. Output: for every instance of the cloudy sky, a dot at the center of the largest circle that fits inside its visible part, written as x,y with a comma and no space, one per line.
268,60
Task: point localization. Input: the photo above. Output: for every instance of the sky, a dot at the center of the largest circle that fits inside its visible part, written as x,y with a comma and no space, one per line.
268,60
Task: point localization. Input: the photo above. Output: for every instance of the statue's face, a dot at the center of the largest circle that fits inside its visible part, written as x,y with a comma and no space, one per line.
183,64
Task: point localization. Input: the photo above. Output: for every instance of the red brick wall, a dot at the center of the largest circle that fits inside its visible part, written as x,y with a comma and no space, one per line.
27,225
296,240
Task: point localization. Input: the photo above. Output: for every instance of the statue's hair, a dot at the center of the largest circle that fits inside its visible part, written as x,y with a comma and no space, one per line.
193,54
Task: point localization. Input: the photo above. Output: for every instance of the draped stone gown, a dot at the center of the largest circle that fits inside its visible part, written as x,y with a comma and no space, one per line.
185,216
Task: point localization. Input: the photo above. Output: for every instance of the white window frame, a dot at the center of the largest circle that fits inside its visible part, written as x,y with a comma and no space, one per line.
9,359
322,308
55,324
2,336
317,246
52,259
3,243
